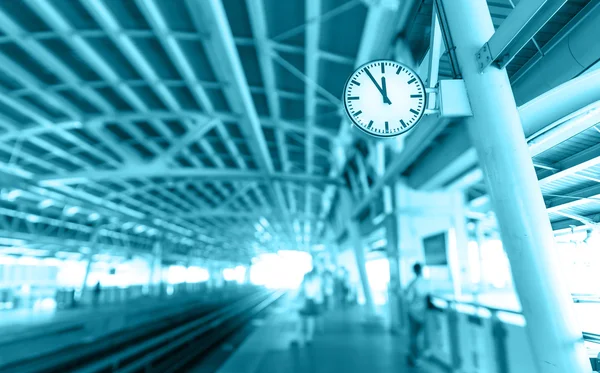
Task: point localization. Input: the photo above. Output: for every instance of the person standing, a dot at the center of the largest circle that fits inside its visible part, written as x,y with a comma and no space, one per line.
96,296
342,287
311,292
328,289
416,298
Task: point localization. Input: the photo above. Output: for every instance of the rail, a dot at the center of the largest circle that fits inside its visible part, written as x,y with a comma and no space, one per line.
102,320
476,338
137,352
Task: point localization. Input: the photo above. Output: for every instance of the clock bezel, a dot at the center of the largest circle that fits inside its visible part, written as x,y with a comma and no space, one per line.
357,124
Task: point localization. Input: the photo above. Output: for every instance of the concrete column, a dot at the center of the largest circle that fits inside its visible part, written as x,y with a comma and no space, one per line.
393,245
497,135
247,274
345,205
394,287
459,250
88,268
359,252
480,238
156,269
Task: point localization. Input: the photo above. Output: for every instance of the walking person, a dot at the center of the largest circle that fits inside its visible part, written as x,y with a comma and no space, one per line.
345,287
416,297
311,293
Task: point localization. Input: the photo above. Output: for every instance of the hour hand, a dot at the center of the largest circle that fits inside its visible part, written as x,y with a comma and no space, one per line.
386,99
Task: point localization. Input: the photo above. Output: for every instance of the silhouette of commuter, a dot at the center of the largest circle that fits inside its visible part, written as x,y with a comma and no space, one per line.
416,297
311,292
97,291
328,289
345,287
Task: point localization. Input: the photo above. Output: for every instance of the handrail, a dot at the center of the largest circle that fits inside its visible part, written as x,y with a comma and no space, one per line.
587,336
591,337
476,305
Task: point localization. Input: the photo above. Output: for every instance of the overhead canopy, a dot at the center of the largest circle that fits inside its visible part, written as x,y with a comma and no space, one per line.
215,127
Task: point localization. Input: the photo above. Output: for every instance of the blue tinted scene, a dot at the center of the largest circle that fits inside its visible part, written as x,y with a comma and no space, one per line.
300,186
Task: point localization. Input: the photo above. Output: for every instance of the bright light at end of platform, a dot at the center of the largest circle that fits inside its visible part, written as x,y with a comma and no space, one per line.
283,270
237,274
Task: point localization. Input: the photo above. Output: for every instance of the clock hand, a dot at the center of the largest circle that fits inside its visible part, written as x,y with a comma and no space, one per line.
386,99
383,93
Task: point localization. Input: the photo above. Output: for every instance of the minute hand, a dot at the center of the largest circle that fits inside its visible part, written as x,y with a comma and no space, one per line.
383,93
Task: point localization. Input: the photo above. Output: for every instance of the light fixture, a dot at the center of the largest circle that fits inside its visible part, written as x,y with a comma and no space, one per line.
45,204
128,225
13,195
70,211
33,218
93,216
140,228
11,242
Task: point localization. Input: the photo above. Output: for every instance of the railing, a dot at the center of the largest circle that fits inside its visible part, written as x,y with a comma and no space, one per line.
151,343
14,298
463,336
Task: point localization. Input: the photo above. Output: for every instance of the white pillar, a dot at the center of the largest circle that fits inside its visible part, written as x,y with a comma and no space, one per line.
394,287
460,254
88,268
359,252
156,269
480,238
497,135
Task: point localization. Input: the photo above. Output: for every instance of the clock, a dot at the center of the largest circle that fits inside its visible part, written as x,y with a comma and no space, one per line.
385,98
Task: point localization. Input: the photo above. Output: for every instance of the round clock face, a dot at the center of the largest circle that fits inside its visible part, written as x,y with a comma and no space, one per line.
384,98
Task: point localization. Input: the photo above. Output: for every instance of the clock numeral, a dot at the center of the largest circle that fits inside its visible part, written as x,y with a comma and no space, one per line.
402,123
355,82
357,113
353,98
382,68
416,96
370,124
399,70
387,127
412,80
414,111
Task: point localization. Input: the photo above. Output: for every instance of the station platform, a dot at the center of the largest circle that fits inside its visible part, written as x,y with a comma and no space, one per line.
348,342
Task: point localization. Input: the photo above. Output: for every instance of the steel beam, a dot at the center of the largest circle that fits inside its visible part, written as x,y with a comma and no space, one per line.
166,172
576,221
580,197
311,65
210,15
571,165
516,31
